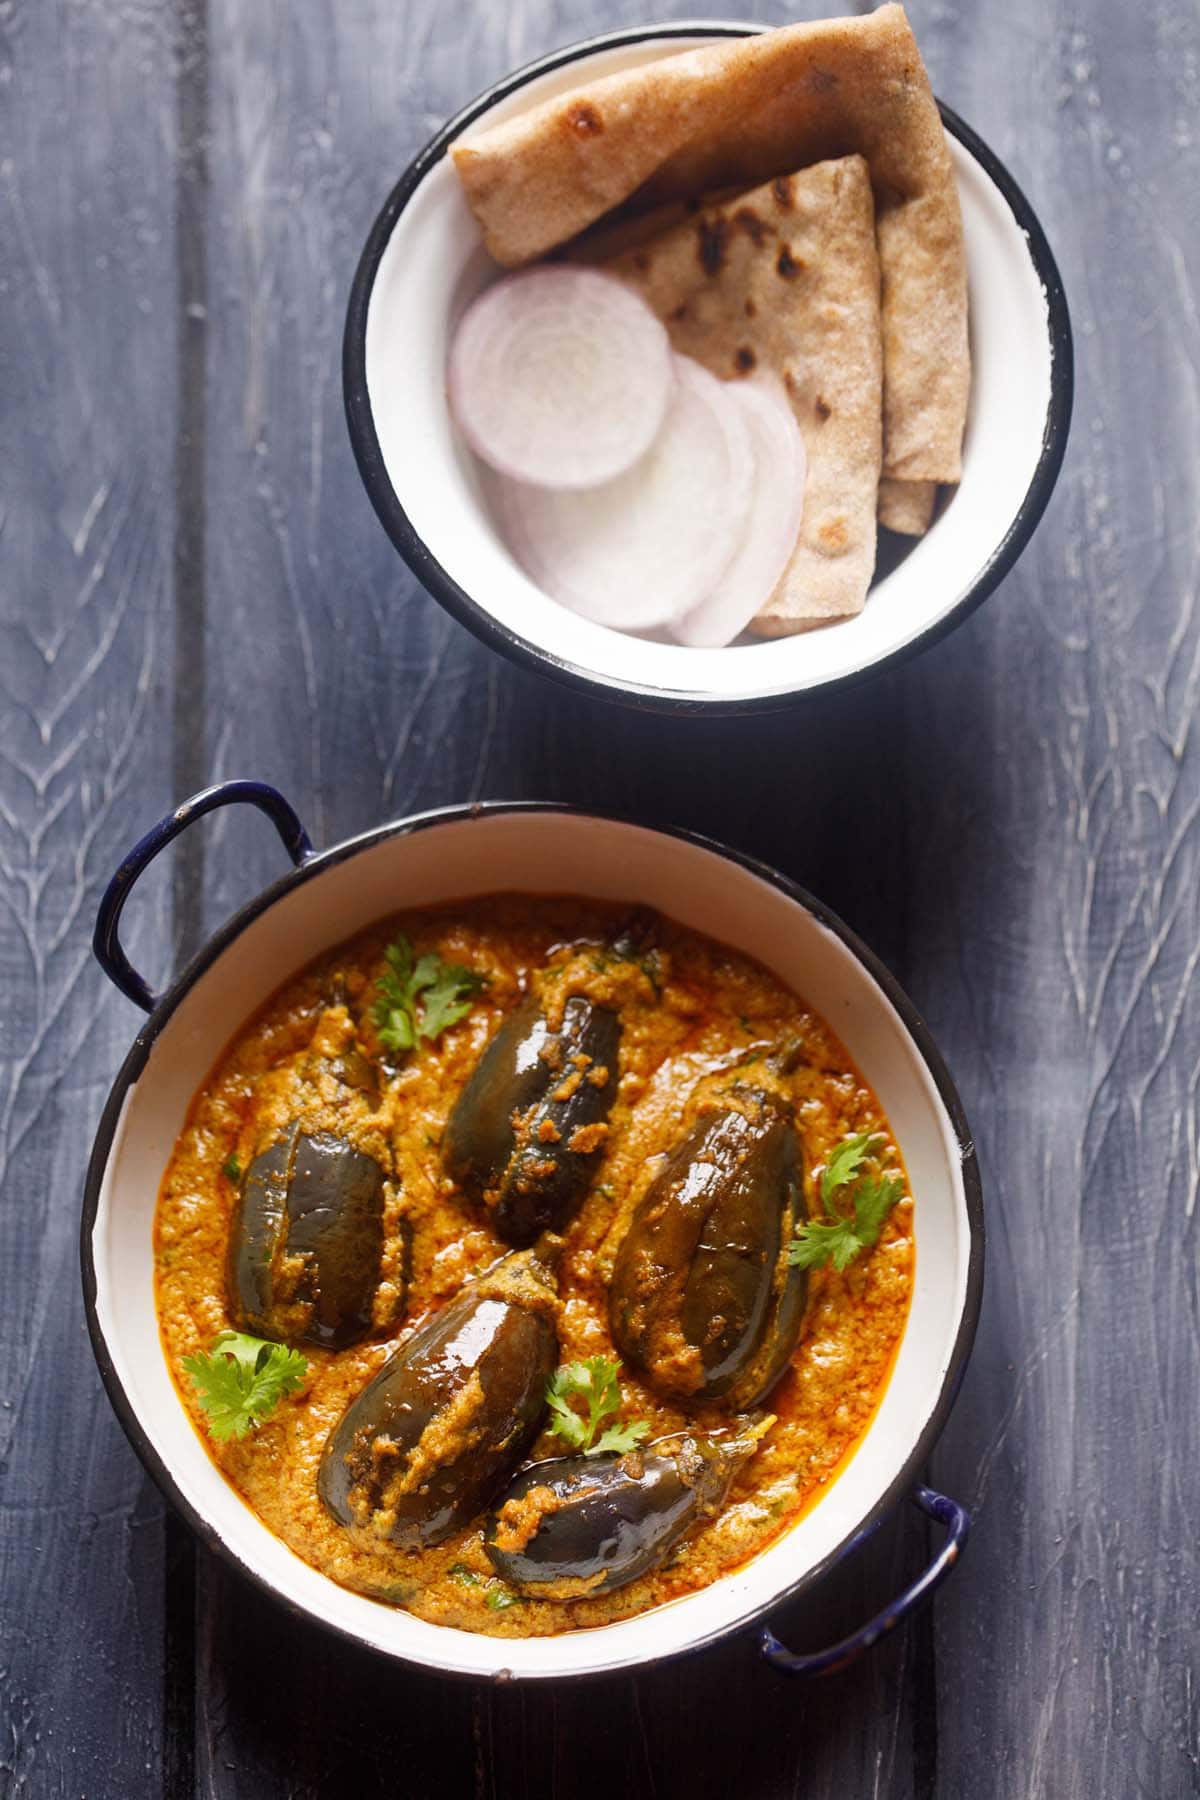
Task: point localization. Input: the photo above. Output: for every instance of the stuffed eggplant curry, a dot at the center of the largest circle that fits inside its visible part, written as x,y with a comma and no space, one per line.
527,1264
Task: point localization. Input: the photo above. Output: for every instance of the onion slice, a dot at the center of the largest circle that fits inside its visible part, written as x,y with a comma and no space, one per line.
560,376
773,524
644,549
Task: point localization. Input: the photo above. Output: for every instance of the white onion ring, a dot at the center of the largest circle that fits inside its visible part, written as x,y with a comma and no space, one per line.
773,522
559,376
641,551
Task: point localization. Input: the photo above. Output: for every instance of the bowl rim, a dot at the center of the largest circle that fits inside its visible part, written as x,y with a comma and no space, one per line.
319,864
525,651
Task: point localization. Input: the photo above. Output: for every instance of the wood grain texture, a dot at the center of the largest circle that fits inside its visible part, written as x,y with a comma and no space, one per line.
197,588
86,524
1056,893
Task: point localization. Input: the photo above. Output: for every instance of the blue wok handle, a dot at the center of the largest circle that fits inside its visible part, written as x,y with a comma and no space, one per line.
945,1512
105,941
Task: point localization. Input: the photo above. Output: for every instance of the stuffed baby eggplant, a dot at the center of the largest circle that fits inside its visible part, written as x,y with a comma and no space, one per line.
582,1525
307,1246
433,1438
526,1132
703,1299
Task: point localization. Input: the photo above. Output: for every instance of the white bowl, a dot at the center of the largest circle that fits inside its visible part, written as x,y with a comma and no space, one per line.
423,262
548,850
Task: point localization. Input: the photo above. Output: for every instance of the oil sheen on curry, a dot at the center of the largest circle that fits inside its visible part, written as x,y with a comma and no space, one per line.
530,1263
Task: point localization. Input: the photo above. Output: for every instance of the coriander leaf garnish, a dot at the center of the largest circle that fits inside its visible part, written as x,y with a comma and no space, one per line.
450,1001
242,1380
817,1243
620,1438
593,1382
845,1163
841,1236
872,1204
420,999
499,1599
231,1169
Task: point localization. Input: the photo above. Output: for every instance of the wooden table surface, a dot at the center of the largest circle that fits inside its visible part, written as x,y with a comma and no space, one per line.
195,587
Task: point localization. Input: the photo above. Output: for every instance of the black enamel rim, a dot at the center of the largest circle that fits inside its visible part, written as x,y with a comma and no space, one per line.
497,636
341,853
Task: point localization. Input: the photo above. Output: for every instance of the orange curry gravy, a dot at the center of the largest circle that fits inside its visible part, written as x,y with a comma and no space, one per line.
712,1007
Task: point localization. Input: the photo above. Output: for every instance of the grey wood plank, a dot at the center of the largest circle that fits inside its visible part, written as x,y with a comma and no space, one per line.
86,442
1053,927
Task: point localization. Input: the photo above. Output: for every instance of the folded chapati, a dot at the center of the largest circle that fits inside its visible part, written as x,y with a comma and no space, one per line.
785,280
734,115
